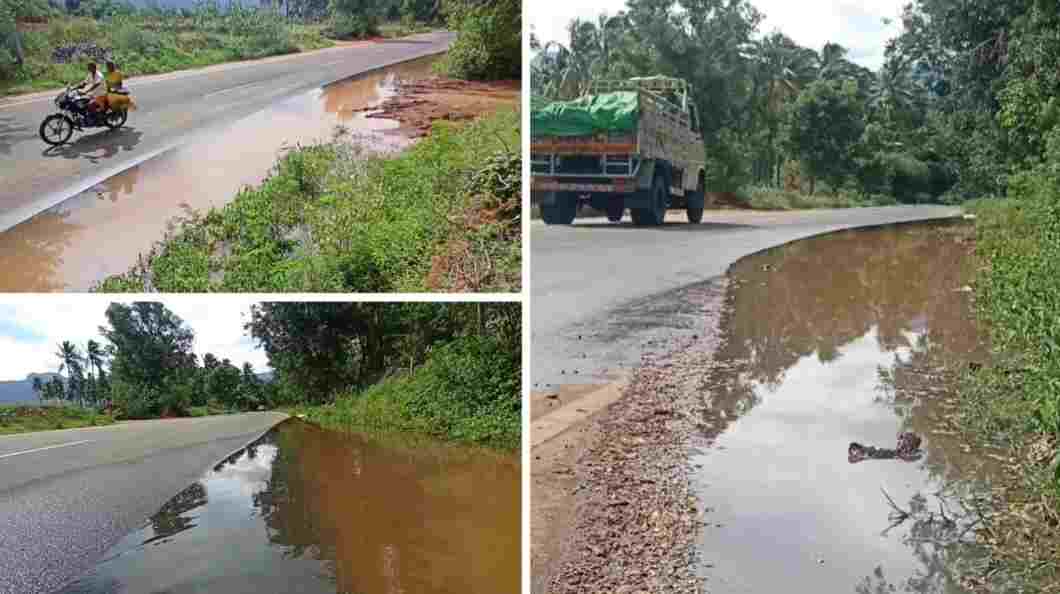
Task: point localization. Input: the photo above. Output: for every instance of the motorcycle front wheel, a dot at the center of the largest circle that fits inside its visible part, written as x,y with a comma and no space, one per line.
56,129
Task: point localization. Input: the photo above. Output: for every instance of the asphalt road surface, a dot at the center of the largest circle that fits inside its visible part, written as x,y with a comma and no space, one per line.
67,496
172,107
602,294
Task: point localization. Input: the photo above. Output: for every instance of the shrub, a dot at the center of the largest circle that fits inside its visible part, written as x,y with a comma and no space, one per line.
489,42
468,390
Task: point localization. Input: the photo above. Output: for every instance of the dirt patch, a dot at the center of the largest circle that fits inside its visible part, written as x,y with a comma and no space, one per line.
726,200
420,103
613,508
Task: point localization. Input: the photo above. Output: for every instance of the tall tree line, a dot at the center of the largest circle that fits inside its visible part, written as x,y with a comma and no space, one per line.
318,349
772,112
144,366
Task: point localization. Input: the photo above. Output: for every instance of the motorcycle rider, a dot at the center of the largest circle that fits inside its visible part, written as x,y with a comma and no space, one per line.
93,87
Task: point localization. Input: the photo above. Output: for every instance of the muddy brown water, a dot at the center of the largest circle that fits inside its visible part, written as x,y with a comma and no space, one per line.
852,336
101,231
308,510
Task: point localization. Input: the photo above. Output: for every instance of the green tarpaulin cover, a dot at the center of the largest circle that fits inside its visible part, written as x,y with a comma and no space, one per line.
592,114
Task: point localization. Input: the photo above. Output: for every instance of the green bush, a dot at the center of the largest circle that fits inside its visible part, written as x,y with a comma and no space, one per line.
468,390
489,42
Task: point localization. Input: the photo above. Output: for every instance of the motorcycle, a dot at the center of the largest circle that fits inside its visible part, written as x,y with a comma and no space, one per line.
74,114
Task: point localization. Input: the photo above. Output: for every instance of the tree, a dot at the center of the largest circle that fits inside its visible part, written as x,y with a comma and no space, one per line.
824,125
70,360
250,388
151,355
38,388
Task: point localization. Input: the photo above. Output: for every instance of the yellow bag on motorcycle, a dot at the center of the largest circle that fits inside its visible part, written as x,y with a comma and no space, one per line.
121,102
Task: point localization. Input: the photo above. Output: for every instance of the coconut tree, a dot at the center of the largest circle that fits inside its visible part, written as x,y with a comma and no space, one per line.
38,388
71,361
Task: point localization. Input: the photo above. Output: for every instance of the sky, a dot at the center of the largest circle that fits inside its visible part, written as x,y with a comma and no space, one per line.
858,26
30,330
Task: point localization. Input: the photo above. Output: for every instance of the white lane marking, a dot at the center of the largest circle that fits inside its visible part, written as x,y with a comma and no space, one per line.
52,447
230,89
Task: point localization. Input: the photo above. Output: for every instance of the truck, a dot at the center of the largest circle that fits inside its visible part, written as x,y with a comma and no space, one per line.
624,144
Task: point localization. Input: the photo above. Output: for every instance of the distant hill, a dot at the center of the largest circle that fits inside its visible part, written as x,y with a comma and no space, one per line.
21,391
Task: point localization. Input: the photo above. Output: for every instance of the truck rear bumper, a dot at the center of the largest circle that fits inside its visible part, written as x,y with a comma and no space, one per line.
610,186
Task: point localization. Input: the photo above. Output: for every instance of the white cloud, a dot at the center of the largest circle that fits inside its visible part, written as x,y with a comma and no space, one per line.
31,329
855,25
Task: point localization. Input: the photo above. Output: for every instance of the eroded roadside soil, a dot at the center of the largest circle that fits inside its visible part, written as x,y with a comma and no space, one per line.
417,104
613,509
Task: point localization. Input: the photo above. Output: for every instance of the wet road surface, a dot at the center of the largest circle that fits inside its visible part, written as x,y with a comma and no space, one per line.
850,337
603,294
66,496
102,231
172,109
309,510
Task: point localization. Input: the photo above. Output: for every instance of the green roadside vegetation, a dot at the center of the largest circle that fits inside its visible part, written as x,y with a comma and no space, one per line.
25,419
447,371
45,45
443,215
143,367
334,217
785,126
963,110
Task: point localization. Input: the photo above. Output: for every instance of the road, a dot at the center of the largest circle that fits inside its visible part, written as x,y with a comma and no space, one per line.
601,294
172,108
67,496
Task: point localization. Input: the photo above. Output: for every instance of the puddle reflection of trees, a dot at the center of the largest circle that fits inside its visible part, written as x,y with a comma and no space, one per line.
171,519
815,296
940,538
31,253
392,520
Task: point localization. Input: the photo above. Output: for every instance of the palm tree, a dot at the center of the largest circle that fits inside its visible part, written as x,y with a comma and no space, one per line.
94,355
70,360
832,63
38,388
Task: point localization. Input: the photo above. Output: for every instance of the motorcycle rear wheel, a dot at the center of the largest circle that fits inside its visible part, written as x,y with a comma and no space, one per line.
116,119
56,129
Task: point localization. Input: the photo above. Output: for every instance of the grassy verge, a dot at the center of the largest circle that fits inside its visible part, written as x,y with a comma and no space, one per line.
765,198
1014,402
160,43
441,216
25,419
155,44
467,391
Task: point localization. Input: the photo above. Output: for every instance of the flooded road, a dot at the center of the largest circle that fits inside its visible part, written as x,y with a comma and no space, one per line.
852,336
101,231
304,509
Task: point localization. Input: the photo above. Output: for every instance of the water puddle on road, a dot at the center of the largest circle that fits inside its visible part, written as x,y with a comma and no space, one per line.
314,511
847,337
101,231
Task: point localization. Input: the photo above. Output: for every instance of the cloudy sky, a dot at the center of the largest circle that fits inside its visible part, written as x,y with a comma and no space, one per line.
31,329
856,25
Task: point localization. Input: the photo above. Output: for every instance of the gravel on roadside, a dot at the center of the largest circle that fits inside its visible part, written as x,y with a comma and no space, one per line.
637,517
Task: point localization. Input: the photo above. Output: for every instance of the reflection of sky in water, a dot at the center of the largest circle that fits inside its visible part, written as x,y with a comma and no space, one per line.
781,486
310,510
839,339
219,547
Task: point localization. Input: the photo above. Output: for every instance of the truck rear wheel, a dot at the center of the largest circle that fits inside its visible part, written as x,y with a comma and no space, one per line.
615,209
656,214
696,202
562,211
